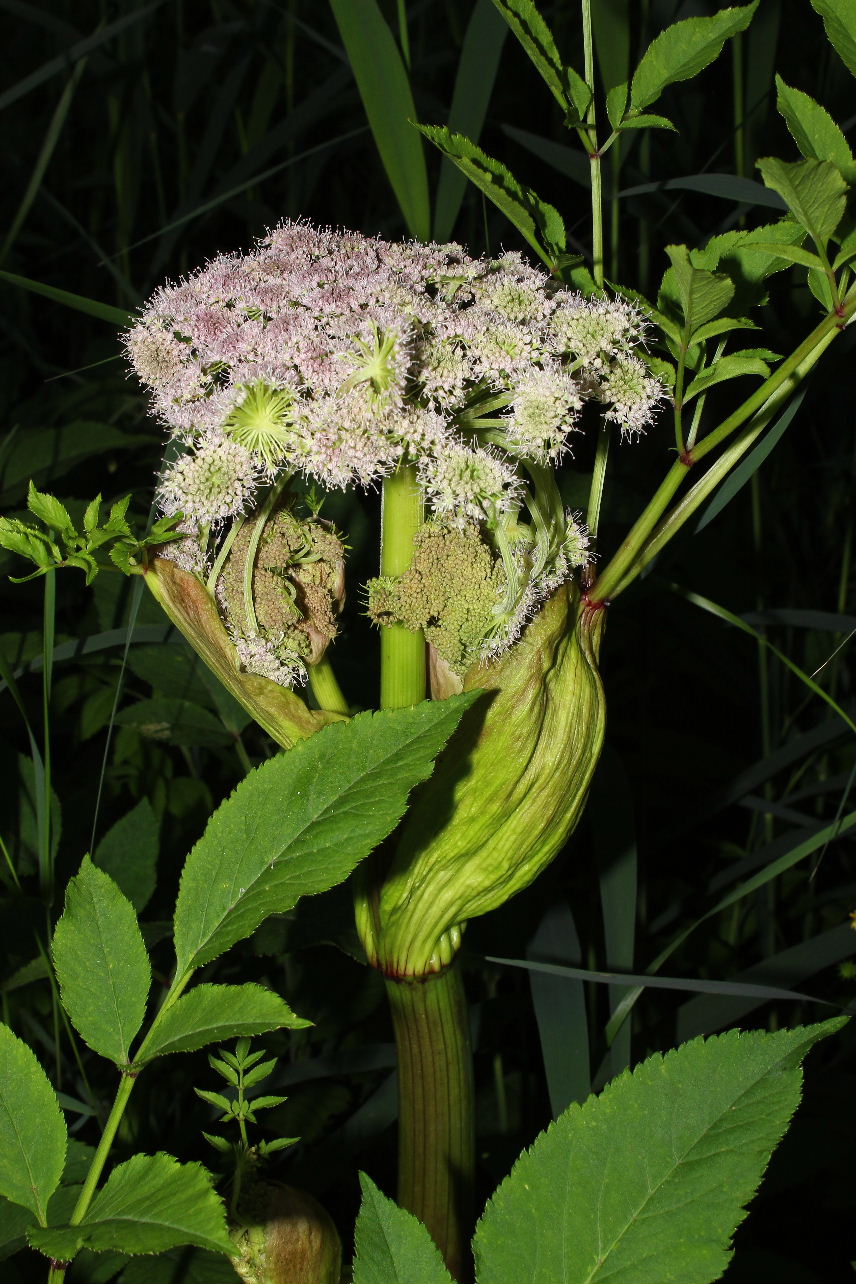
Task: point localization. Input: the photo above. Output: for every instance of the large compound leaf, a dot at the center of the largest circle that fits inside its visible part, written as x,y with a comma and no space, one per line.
214,1013
147,1205
101,963
391,1245
300,822
647,1182
683,50
32,1129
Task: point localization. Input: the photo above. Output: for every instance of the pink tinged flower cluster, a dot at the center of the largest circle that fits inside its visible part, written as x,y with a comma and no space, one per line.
337,356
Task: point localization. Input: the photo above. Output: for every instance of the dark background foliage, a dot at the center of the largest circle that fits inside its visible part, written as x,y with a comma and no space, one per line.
142,139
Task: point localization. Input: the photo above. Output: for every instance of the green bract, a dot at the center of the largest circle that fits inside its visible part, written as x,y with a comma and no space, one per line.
506,794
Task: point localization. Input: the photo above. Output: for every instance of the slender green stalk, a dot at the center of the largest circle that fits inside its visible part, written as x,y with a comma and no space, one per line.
589,136
402,652
325,688
638,548
436,1140
45,835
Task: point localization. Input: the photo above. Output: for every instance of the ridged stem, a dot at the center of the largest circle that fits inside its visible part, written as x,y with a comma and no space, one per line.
402,651
436,1139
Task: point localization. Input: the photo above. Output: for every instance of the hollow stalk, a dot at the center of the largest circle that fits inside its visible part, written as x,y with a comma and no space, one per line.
436,1146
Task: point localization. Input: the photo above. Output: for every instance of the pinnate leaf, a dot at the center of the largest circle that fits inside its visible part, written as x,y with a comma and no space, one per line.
683,50
728,367
647,1182
32,1130
300,822
814,131
392,1246
813,190
538,222
101,963
147,1205
212,1013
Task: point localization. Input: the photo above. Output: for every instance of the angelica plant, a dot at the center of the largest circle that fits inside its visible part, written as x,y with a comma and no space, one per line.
322,361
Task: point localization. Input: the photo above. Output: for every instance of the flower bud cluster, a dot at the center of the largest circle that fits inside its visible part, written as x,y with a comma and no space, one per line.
336,357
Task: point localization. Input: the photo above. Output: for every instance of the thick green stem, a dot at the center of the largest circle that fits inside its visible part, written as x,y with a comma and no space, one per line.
436,1142
402,651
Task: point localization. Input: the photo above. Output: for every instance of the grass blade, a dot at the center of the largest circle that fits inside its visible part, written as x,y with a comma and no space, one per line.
388,101
477,70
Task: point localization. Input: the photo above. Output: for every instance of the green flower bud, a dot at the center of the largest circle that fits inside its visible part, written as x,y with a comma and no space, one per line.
284,1236
193,611
504,797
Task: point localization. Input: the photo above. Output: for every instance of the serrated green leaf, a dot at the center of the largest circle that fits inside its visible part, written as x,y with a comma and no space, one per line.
128,853
539,223
838,21
728,367
647,121
524,20
664,370
215,1099
211,1013
258,1072
149,1204
266,1103
723,325
32,1129
49,510
738,254
275,1144
299,823
683,50
813,191
27,542
846,252
647,1182
793,253
392,1246
101,963
616,102
818,283
219,1143
90,517
813,130
702,294
384,88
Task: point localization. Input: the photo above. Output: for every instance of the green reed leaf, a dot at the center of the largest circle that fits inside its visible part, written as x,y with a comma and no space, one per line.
388,101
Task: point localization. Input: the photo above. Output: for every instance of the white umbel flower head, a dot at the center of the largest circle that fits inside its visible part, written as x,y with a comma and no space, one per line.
464,485
213,483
